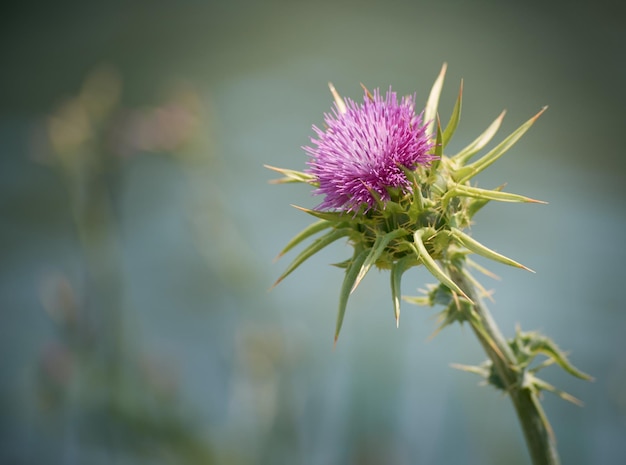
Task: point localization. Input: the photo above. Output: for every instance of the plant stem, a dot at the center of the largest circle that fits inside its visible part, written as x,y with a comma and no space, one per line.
537,431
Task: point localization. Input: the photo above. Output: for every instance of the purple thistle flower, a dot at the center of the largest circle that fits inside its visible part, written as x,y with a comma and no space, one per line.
363,148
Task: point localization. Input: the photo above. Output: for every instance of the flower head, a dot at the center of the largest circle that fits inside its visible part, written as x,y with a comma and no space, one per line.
361,154
369,160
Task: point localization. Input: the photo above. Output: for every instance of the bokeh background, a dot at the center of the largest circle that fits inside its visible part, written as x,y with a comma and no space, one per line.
138,228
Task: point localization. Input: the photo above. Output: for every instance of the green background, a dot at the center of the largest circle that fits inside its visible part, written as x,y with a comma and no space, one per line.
135,322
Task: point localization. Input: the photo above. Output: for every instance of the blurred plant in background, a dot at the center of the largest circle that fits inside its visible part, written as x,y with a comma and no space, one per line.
99,393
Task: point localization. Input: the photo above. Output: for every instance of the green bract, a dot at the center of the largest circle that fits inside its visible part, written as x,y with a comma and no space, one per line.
422,227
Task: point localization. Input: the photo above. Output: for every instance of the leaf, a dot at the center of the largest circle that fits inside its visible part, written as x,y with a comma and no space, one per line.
439,141
291,176
482,292
312,249
348,281
375,252
344,264
471,263
431,265
473,245
480,370
544,345
481,141
454,118
330,216
545,386
304,234
430,111
397,270
424,301
476,204
438,152
486,194
418,200
467,172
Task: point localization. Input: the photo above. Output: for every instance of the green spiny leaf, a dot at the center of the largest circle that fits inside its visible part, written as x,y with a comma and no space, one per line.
304,234
421,300
482,292
467,172
542,344
461,190
472,264
375,252
329,216
480,370
430,111
481,141
312,249
292,176
397,270
417,205
542,385
431,265
438,150
476,204
454,118
473,245
348,281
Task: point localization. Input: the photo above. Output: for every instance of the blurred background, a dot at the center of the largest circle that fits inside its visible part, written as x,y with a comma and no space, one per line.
138,229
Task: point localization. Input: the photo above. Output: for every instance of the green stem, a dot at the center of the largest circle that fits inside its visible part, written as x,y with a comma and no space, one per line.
537,431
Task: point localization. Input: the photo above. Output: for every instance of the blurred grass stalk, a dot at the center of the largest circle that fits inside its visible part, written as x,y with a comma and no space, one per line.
115,400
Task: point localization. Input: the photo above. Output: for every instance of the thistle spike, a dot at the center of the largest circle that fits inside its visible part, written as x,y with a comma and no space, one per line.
311,250
461,190
431,265
349,278
307,232
454,118
341,105
380,244
469,171
474,246
480,142
430,111
397,270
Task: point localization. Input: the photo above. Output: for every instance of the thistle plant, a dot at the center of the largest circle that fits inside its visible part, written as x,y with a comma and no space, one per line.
400,200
